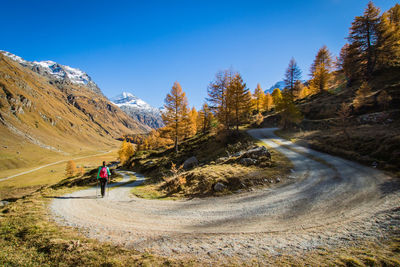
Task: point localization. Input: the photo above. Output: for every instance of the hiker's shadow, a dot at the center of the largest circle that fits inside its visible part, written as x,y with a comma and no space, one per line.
70,197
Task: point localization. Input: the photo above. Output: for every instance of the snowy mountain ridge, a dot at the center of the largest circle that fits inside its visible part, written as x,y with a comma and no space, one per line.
128,99
138,109
56,71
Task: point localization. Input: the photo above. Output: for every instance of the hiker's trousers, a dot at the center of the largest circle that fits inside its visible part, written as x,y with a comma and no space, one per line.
103,183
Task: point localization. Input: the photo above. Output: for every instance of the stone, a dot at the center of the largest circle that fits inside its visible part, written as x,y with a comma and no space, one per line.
219,187
247,161
190,163
257,152
238,154
221,160
278,180
3,203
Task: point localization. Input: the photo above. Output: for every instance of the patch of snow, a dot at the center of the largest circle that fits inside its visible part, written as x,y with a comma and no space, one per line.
13,57
58,71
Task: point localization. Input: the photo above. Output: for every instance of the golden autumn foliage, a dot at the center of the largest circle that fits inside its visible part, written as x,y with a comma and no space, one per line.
290,114
71,169
81,171
258,99
321,70
191,127
125,152
229,99
361,95
176,115
268,102
276,96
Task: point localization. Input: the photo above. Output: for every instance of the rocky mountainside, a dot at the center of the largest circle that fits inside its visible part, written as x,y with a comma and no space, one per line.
139,109
57,108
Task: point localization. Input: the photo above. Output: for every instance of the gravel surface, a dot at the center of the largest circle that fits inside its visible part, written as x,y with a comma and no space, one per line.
329,202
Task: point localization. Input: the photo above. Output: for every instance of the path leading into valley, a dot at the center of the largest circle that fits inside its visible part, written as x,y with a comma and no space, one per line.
329,202
50,164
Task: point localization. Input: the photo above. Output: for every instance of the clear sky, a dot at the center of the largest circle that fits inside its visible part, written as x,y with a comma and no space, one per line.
144,46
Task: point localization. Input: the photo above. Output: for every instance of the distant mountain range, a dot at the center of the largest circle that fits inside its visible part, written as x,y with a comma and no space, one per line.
55,107
139,109
280,85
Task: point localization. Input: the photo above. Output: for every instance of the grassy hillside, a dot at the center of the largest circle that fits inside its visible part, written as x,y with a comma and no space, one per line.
372,132
214,166
43,120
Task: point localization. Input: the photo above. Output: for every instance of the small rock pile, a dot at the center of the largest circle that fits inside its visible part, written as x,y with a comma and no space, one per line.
257,155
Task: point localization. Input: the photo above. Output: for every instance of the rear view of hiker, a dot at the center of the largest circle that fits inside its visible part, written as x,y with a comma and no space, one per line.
103,175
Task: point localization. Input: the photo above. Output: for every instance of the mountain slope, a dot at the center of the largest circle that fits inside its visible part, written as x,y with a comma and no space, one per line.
139,109
53,111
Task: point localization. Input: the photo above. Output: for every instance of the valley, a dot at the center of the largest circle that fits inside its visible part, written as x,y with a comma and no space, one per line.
158,151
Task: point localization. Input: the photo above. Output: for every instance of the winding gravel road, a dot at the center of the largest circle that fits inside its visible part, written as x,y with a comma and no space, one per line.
329,202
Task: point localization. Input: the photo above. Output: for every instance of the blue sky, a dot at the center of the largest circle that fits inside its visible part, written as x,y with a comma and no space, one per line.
145,46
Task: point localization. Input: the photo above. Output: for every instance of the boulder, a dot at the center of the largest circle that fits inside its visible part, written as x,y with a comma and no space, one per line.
257,152
190,163
219,187
247,161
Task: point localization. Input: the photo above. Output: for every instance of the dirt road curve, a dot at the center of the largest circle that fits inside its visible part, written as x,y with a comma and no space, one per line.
330,201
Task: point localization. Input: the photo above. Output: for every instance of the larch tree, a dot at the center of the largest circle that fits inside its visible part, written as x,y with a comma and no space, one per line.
362,94
176,113
276,96
125,152
293,74
258,98
204,118
344,115
239,100
268,102
71,169
389,44
364,40
192,125
289,113
321,70
218,97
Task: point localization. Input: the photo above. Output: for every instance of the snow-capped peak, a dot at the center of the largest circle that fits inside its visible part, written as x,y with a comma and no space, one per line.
13,57
57,71
128,99
138,109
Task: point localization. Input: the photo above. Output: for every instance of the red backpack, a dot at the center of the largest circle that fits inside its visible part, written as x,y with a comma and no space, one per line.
103,172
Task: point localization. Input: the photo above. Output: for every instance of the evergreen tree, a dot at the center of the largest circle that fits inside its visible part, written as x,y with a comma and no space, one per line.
176,114
321,70
364,40
258,98
293,74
